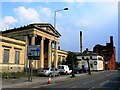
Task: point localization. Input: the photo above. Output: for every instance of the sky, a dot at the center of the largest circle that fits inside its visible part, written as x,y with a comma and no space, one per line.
98,20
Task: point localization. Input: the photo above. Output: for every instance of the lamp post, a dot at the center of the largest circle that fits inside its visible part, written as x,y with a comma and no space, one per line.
73,74
54,37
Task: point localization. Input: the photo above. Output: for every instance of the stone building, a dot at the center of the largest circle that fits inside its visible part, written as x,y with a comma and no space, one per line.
95,60
12,54
109,54
14,43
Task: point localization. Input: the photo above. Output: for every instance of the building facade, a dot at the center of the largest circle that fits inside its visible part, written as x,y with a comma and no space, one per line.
109,54
12,55
95,61
43,35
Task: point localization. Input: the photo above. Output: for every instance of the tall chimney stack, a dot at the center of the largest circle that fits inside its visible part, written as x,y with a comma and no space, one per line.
111,40
111,43
80,41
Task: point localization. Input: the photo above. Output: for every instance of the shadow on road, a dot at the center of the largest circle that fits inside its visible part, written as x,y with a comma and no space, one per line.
114,83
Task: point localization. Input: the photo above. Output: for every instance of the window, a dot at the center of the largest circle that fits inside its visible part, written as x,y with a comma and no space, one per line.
82,57
99,58
90,57
17,57
91,65
6,56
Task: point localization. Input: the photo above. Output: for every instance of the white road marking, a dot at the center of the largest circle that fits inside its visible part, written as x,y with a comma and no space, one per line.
104,82
73,86
91,88
88,81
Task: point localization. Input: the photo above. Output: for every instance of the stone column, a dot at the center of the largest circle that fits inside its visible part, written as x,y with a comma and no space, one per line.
33,40
42,53
33,43
49,53
61,58
26,57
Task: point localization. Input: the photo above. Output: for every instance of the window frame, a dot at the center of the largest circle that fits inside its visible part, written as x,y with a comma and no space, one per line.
6,58
17,57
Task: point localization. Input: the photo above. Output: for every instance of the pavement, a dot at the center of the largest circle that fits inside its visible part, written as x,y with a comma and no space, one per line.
36,81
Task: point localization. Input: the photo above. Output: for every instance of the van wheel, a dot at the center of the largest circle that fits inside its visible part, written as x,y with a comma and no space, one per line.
66,73
58,74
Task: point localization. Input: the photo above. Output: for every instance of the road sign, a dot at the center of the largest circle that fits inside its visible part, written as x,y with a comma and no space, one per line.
33,52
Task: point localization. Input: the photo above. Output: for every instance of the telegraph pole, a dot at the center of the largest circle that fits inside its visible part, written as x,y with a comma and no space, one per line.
73,74
89,71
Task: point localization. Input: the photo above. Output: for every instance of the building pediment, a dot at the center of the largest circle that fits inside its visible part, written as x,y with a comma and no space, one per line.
45,27
48,28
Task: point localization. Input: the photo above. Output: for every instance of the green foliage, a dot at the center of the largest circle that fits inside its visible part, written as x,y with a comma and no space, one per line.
71,56
63,62
12,74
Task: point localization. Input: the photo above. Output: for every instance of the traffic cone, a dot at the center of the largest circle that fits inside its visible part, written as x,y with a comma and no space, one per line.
49,80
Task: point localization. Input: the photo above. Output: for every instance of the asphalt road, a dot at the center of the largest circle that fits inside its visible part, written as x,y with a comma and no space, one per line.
107,79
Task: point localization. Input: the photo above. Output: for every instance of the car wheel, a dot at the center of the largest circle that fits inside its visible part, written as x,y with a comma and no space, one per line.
50,75
77,72
58,74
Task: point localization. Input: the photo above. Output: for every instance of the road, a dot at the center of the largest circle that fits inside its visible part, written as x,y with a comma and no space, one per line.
105,79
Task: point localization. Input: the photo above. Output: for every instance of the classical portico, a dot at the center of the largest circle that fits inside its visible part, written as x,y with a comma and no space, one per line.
43,35
38,34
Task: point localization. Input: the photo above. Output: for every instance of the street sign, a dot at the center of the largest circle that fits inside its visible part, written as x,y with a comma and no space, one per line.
33,52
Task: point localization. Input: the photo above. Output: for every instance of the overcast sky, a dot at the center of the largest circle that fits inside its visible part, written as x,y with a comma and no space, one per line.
97,20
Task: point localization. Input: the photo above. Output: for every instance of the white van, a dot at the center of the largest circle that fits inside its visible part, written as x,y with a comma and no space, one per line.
64,69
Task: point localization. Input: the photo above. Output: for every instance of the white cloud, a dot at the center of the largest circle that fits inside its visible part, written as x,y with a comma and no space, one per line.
3,26
7,22
27,14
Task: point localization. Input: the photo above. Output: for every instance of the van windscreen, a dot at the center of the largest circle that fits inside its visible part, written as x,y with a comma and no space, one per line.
60,67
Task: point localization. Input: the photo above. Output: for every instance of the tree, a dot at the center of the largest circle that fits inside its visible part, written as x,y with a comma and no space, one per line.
117,64
63,62
69,58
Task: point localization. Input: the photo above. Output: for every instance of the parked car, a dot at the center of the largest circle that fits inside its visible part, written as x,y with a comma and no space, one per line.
49,71
64,69
118,68
85,70
77,70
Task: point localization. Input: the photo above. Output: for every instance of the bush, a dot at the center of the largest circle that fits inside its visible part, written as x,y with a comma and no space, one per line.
13,74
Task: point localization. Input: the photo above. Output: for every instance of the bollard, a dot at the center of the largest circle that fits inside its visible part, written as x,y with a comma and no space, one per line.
49,80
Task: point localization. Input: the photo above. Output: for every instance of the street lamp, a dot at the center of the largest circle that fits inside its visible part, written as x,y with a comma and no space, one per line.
55,16
55,35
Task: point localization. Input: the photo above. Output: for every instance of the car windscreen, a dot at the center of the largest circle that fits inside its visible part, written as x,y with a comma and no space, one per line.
60,67
51,69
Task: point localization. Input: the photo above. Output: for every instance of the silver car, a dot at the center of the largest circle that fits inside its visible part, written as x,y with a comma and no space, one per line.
49,72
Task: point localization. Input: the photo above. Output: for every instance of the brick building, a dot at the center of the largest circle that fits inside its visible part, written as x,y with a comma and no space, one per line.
109,54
